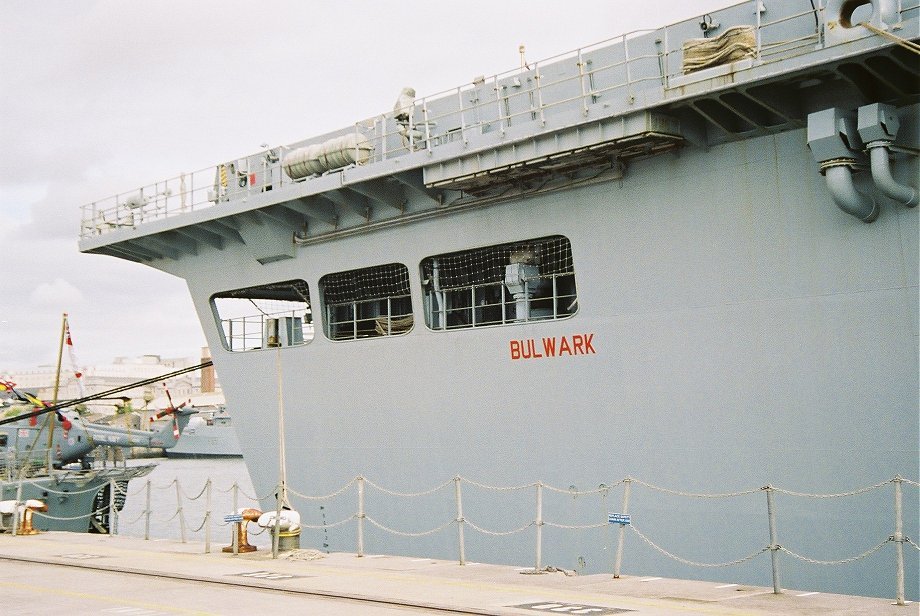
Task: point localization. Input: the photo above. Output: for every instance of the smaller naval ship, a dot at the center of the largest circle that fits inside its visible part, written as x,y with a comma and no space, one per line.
209,434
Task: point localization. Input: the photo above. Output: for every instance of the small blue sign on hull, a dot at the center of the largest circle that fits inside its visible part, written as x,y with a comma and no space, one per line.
618,518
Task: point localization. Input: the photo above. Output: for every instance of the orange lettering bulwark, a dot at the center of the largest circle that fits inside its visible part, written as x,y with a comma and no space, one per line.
552,346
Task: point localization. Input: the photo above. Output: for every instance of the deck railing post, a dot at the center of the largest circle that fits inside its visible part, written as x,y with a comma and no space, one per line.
899,539
538,521
179,511
147,513
460,520
360,516
774,545
627,486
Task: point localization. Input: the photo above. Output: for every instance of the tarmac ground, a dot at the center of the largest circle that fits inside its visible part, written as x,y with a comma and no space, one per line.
82,574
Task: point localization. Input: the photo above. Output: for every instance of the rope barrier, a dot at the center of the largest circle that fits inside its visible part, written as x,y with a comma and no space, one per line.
45,488
330,525
405,533
498,488
576,527
598,490
843,561
907,540
837,495
325,496
196,497
694,494
694,563
496,533
409,494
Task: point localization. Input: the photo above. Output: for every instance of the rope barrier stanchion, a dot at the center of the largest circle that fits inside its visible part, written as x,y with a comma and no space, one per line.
147,514
899,540
538,522
774,545
179,511
207,518
460,544
113,515
360,516
627,486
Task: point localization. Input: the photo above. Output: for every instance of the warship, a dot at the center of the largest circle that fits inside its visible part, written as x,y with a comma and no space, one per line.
210,434
686,257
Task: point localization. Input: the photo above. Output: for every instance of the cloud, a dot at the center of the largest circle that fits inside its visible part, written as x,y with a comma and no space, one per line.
55,293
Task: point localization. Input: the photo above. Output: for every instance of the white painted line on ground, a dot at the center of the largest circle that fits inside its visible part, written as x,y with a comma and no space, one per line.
651,579
726,586
808,594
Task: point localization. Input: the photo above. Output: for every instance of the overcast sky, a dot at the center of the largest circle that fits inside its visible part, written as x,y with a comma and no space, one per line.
101,97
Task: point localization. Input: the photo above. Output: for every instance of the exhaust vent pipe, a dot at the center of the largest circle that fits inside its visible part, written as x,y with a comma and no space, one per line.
836,146
878,126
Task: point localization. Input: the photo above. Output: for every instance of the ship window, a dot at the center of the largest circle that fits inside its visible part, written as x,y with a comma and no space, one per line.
3,440
505,284
266,316
368,302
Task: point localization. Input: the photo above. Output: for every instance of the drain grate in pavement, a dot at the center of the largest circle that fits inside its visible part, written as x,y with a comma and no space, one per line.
267,575
80,556
572,608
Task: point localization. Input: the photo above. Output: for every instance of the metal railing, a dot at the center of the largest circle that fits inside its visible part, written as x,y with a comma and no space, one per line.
610,74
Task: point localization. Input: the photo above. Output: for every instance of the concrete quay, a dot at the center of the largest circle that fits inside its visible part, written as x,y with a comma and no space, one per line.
99,575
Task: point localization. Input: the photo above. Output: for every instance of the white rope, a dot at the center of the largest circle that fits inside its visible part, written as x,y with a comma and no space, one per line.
76,517
598,490
834,562
837,495
907,540
53,491
196,497
407,534
694,563
496,533
409,494
576,527
331,525
498,488
694,494
325,496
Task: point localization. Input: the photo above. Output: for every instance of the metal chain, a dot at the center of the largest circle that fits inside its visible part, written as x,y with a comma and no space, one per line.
495,533
407,534
409,494
694,563
835,562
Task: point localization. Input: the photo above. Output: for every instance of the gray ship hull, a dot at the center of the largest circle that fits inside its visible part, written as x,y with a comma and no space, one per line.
78,500
733,328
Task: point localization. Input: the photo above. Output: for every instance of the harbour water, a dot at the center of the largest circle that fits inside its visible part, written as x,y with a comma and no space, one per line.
182,482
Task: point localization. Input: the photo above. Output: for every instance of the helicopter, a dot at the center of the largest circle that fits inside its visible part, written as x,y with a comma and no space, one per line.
24,439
